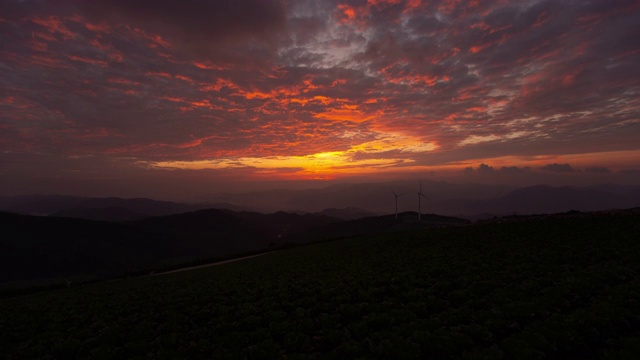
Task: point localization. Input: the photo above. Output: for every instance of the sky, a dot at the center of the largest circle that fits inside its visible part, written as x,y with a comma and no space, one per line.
170,98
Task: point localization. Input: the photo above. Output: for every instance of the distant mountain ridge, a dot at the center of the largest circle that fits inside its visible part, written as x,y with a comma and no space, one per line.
40,247
349,201
545,199
467,200
112,213
54,204
349,213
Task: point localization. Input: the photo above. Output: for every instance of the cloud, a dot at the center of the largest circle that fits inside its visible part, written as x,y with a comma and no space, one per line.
418,84
485,169
198,20
514,170
559,168
481,169
210,29
504,170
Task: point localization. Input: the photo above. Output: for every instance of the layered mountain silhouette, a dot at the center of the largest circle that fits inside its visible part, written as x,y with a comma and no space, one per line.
348,201
468,200
106,237
348,213
49,247
83,207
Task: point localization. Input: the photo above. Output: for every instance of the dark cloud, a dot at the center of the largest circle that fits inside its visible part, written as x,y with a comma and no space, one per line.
481,169
198,21
485,169
559,168
514,170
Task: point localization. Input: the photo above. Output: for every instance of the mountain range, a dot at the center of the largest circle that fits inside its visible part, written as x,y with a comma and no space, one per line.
347,201
53,248
62,237
465,200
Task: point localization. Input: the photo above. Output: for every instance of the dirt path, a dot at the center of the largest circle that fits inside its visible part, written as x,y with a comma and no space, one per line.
212,264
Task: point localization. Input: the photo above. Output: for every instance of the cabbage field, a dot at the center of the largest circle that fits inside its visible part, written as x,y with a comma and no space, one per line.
565,286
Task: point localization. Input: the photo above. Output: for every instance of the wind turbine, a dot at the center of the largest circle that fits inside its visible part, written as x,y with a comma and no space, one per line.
397,196
420,196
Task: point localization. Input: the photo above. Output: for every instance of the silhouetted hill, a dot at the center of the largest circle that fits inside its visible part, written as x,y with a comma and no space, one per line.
113,213
39,204
215,233
349,213
444,198
351,201
35,247
549,199
110,208
281,224
552,287
38,247
377,225
545,199
374,197
145,206
207,233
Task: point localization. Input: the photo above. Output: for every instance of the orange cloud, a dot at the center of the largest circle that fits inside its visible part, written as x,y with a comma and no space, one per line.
344,113
476,49
348,13
218,85
97,62
154,41
55,26
210,66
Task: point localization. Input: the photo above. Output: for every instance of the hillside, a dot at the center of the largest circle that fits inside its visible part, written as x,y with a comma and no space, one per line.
59,248
563,286
34,247
376,225
108,209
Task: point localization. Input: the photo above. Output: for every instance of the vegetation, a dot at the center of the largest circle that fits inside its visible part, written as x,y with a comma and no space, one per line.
556,287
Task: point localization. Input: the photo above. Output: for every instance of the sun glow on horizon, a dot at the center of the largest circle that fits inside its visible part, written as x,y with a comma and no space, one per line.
387,152
334,162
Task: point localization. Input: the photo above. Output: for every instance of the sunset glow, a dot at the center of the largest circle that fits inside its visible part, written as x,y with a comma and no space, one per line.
295,90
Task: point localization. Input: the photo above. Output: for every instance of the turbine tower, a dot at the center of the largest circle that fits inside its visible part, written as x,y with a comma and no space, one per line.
420,196
397,196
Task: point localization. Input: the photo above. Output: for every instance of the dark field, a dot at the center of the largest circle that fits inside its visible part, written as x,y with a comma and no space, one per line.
556,287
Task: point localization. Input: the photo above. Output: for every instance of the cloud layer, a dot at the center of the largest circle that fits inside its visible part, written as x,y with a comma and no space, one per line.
308,89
